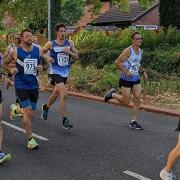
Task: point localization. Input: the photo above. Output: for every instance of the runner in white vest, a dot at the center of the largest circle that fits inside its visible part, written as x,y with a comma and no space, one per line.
129,63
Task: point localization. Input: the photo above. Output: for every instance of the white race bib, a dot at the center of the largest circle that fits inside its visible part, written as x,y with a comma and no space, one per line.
30,66
63,59
134,68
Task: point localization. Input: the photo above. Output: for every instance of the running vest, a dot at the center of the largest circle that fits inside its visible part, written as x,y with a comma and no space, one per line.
26,65
132,64
62,60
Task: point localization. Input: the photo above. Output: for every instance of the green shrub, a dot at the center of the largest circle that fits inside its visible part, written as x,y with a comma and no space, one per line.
98,58
99,81
160,48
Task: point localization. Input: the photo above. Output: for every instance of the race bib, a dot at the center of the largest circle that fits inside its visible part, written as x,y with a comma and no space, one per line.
63,59
134,69
30,66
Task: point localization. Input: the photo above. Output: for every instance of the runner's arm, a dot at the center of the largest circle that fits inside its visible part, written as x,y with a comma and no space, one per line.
47,47
119,61
73,52
39,65
6,55
11,69
143,72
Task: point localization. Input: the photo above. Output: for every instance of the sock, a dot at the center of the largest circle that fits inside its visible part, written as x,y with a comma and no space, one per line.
133,120
16,111
64,118
45,106
112,95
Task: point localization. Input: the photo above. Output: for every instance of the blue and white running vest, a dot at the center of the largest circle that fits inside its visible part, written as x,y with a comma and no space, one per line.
26,65
132,64
62,61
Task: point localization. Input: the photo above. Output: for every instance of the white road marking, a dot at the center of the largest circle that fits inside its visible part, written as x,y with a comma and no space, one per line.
22,130
135,175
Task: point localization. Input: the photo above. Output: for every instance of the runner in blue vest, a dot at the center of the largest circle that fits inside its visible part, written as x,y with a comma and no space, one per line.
61,53
27,58
129,63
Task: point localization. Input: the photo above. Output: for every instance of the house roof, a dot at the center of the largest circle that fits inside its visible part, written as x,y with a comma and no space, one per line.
115,15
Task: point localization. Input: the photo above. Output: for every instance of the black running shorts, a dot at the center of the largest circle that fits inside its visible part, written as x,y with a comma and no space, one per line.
56,78
128,84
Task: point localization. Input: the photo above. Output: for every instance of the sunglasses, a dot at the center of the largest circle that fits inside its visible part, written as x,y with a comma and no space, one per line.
138,39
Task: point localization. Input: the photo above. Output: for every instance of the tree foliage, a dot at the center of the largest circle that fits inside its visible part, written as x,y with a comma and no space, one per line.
71,11
25,12
34,14
170,13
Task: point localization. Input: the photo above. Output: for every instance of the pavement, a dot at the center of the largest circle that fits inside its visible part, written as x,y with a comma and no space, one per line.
99,147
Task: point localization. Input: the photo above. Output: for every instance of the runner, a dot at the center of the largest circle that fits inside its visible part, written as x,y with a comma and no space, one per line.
8,58
9,63
61,52
35,41
174,155
129,64
3,157
26,85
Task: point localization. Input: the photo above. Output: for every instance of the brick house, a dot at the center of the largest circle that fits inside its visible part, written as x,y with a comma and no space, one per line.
88,17
137,16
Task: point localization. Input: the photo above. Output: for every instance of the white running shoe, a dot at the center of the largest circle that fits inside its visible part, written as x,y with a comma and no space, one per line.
165,175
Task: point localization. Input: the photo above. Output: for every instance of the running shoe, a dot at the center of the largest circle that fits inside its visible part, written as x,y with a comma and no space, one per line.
13,115
67,124
32,144
135,125
44,113
4,157
108,96
164,175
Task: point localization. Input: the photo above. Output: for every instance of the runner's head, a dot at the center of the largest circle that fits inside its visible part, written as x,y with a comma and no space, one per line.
60,30
136,39
17,39
34,39
26,36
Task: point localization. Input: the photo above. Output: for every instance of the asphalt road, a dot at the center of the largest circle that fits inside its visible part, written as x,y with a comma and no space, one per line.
99,147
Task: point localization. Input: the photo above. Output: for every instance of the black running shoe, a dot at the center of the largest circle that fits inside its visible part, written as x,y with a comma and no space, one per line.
135,125
67,124
108,96
44,113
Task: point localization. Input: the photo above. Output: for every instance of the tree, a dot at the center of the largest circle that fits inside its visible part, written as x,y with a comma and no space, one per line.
55,14
33,13
71,11
25,12
170,13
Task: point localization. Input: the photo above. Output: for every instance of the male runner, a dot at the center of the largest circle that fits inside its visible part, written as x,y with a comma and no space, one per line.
26,85
129,64
61,51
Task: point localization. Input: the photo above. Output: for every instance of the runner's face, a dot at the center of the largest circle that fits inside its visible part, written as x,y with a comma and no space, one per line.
27,38
61,33
34,39
17,39
137,40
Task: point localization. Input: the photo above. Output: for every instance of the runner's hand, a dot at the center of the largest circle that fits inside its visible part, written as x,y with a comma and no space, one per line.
50,60
40,68
13,71
128,74
67,50
145,76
